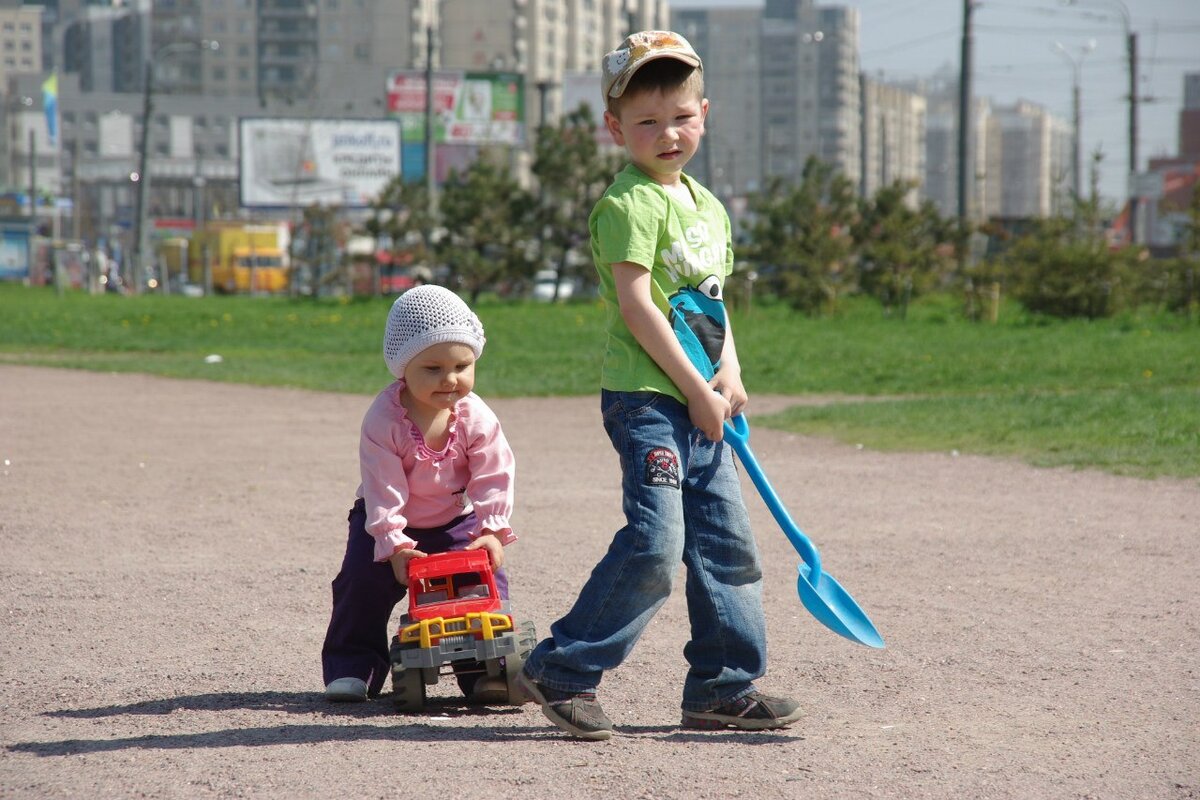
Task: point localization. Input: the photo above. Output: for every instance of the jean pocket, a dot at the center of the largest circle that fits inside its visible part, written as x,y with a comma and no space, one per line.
629,404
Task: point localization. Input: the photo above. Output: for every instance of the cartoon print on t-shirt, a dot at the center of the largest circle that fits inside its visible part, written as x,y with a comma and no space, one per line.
698,319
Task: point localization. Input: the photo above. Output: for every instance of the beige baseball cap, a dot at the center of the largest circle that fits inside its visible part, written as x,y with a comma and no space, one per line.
638,49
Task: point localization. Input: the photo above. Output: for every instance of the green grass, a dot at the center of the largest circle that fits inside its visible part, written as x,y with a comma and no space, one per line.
1120,395
1140,432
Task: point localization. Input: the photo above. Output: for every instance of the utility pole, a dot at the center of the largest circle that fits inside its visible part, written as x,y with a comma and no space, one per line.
430,144
1131,50
140,247
965,162
1076,114
1131,46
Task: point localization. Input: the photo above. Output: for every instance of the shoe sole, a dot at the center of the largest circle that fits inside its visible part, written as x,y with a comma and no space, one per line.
345,697
530,689
705,721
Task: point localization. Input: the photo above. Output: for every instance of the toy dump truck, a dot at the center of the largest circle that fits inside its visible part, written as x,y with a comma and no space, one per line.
455,619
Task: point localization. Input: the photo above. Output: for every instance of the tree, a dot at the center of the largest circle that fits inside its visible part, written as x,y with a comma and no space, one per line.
572,175
488,221
400,215
900,249
800,237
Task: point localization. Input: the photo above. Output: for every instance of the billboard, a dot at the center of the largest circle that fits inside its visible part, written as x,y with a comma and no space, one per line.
468,107
299,162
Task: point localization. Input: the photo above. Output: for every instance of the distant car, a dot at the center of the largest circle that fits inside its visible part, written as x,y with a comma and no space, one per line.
543,286
455,615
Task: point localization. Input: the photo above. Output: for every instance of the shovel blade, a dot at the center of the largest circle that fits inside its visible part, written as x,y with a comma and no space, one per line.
835,608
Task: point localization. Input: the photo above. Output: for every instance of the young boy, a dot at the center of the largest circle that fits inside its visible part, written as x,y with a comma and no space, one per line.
662,247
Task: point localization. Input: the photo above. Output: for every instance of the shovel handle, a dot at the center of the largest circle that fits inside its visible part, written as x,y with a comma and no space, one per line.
737,431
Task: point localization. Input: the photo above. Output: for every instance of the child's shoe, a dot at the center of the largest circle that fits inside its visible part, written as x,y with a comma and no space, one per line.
579,714
346,690
752,712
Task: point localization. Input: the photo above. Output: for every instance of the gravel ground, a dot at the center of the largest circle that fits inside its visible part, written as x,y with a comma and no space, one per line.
167,548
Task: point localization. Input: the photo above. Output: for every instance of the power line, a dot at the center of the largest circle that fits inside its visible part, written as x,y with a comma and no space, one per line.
901,45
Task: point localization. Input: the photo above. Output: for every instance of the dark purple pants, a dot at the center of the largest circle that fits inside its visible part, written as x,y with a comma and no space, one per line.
364,594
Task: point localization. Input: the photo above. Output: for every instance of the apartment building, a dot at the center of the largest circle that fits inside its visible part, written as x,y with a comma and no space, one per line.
1027,162
893,137
810,88
730,162
20,41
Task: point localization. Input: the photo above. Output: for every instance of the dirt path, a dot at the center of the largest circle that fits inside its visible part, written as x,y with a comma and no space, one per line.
166,549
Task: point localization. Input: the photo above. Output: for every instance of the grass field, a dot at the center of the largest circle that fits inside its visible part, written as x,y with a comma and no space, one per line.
1121,395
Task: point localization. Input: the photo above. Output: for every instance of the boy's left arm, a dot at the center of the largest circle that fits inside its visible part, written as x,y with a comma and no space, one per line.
728,379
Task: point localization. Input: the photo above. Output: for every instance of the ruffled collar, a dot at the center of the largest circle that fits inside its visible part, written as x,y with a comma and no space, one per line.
423,451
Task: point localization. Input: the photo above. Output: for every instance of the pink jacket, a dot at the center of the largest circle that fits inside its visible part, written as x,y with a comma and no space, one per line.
404,483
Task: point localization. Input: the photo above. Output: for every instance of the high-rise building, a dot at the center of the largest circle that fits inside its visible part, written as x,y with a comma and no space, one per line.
730,162
940,184
1028,158
20,41
809,87
1189,118
893,137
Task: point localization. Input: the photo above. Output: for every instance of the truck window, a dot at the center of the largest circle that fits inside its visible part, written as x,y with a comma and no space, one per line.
470,584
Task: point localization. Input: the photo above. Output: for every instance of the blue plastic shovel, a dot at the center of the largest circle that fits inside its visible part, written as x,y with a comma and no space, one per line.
823,596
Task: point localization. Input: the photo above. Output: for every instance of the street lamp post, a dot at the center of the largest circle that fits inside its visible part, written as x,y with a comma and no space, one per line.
141,236
1131,50
1076,113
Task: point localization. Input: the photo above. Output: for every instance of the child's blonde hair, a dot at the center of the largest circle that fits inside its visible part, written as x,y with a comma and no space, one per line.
661,75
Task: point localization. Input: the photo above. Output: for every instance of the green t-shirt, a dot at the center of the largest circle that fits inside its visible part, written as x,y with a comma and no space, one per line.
689,255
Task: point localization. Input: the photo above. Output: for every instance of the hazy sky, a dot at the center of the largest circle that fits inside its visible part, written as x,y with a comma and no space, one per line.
1015,58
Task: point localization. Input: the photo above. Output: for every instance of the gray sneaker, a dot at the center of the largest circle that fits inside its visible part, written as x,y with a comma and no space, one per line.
752,712
346,690
577,713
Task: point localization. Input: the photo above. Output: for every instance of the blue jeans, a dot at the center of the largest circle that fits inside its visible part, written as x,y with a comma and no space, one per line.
682,501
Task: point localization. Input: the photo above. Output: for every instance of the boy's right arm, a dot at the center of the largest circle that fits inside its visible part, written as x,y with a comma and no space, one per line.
706,409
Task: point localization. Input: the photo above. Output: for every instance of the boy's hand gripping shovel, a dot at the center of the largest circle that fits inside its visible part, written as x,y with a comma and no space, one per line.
821,594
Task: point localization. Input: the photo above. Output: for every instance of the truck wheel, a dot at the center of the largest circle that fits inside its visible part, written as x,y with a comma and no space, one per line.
526,640
408,689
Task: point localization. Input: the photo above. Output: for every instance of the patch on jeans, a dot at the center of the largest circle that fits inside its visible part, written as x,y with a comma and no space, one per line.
662,468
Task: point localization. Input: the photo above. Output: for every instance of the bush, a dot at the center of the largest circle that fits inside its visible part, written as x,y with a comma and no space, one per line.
1052,271
1170,284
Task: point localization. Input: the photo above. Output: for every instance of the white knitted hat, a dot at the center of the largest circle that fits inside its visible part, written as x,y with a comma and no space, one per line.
424,316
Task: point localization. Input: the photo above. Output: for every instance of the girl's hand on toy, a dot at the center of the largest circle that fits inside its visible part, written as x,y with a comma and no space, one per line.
495,550
399,561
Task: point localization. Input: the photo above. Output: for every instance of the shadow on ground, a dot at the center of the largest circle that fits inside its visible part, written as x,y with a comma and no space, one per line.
430,726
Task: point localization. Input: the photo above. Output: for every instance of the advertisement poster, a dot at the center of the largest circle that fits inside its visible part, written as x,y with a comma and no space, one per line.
468,107
297,162
14,250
